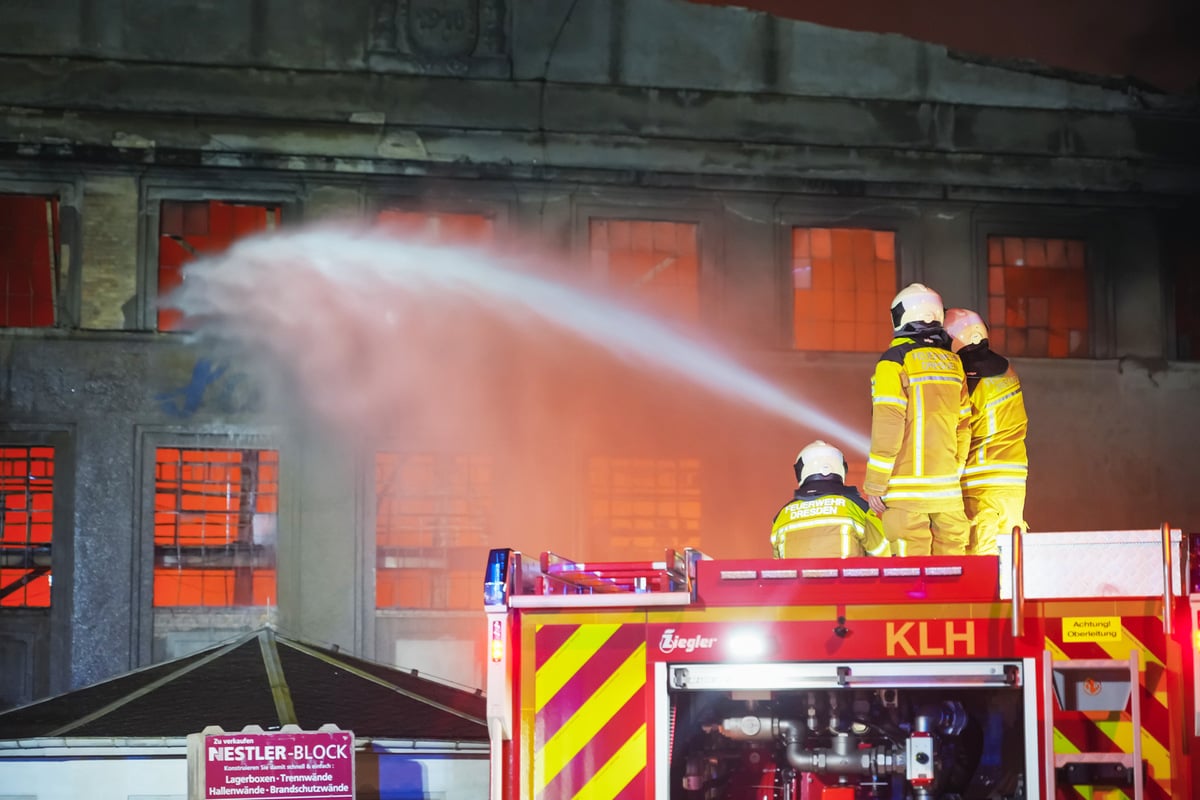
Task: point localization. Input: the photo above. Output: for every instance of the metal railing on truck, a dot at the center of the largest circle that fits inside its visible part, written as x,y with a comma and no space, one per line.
553,580
1104,564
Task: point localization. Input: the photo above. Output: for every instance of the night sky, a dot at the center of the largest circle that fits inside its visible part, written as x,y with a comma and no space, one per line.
1152,41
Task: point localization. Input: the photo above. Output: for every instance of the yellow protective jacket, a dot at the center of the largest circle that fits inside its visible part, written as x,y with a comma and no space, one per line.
920,423
997,456
827,519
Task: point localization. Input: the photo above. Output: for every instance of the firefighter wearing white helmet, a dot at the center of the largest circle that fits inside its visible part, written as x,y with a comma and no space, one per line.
993,481
826,518
916,304
920,431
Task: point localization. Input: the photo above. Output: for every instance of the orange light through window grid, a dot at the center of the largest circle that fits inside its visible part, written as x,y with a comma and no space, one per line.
189,229
638,507
441,227
432,513
29,261
26,527
1037,297
843,282
658,262
215,517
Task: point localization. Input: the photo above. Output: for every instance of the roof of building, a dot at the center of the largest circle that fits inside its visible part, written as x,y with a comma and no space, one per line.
261,679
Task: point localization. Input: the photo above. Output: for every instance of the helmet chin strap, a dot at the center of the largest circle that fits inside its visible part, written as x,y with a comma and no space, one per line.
918,326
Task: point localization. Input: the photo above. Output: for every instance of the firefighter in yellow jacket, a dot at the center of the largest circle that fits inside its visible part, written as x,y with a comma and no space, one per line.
826,518
993,482
920,431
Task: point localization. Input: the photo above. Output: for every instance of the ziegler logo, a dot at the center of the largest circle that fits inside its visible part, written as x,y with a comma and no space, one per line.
669,642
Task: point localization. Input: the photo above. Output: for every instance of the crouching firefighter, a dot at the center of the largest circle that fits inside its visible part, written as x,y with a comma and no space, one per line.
826,518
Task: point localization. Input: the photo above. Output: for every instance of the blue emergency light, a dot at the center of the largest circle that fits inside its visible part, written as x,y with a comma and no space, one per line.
495,581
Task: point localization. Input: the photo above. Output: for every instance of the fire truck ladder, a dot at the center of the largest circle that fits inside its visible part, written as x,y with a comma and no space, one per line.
1094,687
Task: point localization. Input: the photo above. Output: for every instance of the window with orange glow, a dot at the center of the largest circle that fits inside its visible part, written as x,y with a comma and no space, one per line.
192,228
1037,297
29,261
638,507
432,514
215,516
27,505
843,281
438,226
657,261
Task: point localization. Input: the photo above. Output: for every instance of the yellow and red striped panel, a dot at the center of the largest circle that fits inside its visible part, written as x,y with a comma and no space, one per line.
1113,733
590,712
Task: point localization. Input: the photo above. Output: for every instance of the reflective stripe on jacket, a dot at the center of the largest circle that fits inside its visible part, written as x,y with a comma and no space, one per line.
827,520
920,423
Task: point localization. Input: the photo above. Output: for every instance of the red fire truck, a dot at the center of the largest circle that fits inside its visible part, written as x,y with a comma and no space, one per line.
1064,667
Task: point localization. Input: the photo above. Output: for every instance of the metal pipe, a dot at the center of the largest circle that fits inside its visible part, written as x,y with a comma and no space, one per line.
1168,623
1018,582
844,758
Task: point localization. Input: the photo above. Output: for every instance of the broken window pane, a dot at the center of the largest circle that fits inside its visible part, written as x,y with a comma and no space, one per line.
189,229
656,262
29,261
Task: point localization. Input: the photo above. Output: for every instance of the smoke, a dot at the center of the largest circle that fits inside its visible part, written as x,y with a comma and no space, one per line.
594,416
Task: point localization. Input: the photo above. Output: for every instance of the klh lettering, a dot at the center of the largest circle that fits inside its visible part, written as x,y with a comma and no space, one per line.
931,638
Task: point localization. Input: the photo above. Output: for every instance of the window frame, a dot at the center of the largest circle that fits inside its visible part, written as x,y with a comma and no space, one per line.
621,206
57,673
27,536
904,225
67,306
1052,223
151,196
369,502
148,439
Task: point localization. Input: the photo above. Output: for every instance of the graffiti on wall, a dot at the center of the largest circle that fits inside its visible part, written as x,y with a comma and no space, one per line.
214,387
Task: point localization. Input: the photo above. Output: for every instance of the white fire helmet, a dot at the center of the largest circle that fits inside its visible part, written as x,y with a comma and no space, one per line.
916,303
820,459
965,328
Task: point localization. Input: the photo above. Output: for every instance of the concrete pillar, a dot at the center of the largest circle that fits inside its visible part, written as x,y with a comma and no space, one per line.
755,299
1134,270
320,539
101,610
321,531
947,261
